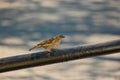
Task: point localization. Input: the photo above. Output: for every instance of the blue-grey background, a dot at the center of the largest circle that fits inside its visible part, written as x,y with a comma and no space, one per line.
24,23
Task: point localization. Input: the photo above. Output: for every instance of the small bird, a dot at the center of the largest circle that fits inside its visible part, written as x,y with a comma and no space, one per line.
49,44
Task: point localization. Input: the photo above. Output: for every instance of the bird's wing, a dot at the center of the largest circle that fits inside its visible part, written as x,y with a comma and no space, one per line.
48,41
41,44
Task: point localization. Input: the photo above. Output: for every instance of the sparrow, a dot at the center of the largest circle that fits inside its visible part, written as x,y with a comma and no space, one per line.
49,44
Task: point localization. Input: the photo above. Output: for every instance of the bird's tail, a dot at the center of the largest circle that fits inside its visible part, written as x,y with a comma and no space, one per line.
32,48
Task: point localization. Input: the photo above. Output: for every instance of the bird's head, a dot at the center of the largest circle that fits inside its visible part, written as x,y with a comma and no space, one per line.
60,36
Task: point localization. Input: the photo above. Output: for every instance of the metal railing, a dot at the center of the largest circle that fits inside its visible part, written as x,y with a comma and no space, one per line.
59,55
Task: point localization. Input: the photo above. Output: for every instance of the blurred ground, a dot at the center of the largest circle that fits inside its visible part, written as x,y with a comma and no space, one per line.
23,23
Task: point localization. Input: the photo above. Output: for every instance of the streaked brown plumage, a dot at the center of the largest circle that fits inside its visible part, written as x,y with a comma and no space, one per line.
49,44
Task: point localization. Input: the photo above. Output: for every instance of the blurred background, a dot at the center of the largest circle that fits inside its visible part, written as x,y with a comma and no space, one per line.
24,23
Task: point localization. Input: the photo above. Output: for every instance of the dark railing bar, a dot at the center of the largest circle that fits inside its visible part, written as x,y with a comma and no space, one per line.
59,55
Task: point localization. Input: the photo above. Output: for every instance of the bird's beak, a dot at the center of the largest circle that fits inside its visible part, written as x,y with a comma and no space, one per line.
63,36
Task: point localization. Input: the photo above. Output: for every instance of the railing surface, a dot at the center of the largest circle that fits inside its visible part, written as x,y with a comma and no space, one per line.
59,55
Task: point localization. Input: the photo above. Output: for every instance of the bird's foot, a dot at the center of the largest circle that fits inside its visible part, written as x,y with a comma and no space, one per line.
50,52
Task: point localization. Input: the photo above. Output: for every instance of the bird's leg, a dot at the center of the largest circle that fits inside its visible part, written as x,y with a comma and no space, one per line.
52,51
49,52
